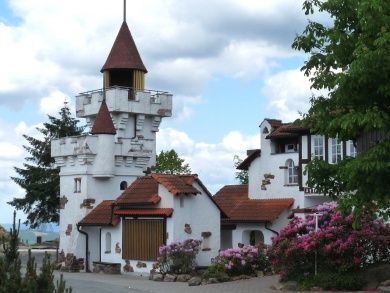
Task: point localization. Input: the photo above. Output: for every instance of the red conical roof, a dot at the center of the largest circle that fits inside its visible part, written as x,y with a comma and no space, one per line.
124,53
103,122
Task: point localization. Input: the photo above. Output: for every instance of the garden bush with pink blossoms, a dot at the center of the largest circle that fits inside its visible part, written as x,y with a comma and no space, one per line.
342,251
238,261
178,257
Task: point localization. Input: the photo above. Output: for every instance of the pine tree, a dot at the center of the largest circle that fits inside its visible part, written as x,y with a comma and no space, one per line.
11,278
38,177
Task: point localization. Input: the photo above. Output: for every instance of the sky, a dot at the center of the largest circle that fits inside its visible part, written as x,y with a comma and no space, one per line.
229,64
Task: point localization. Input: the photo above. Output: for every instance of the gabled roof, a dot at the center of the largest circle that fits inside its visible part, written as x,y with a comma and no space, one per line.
103,123
234,201
275,123
177,184
124,53
247,162
143,191
101,215
162,212
286,130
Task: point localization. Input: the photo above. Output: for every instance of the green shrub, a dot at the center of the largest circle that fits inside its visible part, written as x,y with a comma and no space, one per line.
11,278
332,281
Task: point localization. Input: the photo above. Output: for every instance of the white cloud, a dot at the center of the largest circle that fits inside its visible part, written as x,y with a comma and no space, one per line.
213,162
57,48
288,93
50,105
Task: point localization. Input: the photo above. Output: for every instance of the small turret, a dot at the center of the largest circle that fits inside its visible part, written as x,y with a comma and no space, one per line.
104,128
103,123
124,66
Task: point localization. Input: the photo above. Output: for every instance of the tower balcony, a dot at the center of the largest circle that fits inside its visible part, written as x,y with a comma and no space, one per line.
125,100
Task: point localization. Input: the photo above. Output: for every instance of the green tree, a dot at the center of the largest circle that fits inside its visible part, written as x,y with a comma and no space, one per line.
242,175
11,277
169,162
349,58
39,177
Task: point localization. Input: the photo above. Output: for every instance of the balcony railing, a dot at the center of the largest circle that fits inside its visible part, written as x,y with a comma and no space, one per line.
154,94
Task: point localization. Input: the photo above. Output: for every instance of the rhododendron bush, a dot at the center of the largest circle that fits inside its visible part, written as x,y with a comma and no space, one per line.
339,247
178,257
238,261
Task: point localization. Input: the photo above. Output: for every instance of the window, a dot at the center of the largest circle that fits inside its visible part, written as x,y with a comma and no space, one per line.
336,150
77,185
206,241
181,201
352,149
108,242
123,185
265,130
318,147
292,174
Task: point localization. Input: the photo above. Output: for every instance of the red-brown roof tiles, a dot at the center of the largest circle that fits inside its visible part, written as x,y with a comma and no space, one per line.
287,130
103,123
124,53
247,162
162,212
234,201
177,184
101,215
143,191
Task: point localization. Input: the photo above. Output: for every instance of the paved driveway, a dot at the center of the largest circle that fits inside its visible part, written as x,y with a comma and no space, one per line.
99,283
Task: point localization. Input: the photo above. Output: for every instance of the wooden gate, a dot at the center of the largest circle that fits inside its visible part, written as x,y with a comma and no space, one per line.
141,239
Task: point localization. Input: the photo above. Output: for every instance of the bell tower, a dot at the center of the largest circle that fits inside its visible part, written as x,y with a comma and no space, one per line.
124,66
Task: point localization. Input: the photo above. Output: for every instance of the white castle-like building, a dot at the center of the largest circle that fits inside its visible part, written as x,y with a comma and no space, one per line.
112,214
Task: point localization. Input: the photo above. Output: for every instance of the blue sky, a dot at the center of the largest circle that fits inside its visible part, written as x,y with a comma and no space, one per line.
229,64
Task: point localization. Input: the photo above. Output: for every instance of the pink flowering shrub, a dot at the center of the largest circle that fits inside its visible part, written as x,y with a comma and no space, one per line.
238,261
178,257
340,248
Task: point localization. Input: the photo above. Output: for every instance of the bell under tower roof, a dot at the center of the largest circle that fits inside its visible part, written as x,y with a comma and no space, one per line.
124,53
103,123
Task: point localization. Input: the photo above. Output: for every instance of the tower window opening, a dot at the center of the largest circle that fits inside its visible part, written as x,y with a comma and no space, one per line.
123,185
122,77
77,185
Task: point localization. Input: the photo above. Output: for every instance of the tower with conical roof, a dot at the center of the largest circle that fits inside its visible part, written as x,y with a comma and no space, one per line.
123,118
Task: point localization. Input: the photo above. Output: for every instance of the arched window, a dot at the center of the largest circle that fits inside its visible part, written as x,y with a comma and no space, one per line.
123,185
108,242
292,173
265,130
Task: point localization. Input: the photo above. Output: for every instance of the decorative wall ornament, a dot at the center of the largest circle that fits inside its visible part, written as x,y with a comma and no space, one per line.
267,180
127,268
187,228
141,264
117,248
69,230
63,202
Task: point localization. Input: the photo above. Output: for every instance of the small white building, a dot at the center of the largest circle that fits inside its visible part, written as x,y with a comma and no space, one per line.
154,210
277,184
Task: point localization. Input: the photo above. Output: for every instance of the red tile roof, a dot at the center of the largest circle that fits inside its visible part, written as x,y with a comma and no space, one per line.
234,201
177,184
287,130
275,123
143,191
103,123
162,212
101,215
248,161
124,53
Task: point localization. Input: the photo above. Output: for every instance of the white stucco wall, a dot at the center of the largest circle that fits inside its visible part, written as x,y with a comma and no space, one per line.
202,215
